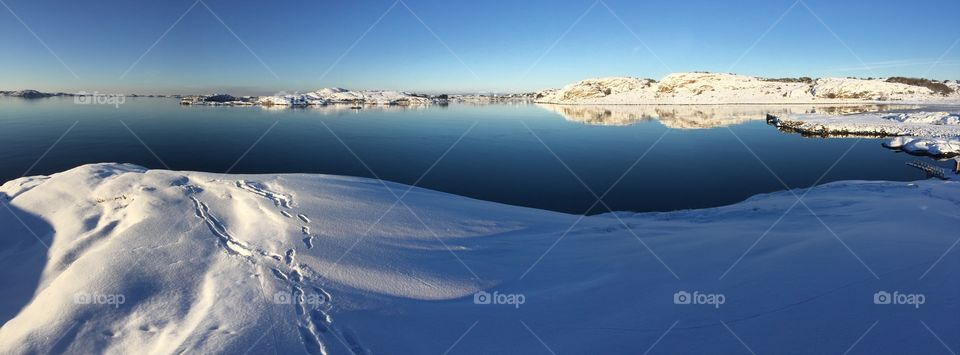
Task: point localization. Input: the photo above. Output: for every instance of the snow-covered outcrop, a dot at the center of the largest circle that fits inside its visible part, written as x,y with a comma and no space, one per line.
111,258
282,100
933,133
343,96
30,94
939,147
718,88
597,88
377,97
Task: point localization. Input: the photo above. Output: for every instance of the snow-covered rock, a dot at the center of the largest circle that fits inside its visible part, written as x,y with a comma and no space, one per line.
29,94
377,97
719,88
934,118
274,100
594,89
872,90
344,96
111,258
944,147
932,133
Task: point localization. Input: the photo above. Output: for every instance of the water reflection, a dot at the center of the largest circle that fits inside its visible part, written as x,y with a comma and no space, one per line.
697,116
346,108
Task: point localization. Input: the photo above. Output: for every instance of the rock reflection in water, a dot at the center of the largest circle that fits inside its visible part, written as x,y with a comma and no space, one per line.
696,116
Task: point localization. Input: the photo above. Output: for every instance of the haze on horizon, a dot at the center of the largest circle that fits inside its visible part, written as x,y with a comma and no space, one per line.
246,47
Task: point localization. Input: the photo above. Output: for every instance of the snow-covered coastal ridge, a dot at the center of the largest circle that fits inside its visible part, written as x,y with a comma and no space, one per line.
322,97
112,258
332,96
718,88
930,133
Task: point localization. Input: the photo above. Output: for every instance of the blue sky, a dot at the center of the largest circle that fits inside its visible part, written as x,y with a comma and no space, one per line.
471,46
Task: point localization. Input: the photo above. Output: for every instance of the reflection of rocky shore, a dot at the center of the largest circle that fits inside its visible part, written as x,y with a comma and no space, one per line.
333,109
695,116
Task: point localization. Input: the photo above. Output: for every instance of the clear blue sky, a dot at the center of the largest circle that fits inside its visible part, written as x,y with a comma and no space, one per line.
504,45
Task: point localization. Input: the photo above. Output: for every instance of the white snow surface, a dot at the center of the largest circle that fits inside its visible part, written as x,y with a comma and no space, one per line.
203,262
719,88
930,146
923,132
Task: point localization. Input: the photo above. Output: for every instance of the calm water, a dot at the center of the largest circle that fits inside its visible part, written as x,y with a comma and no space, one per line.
499,160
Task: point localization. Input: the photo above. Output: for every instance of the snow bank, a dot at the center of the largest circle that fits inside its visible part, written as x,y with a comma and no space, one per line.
931,133
718,88
929,146
151,261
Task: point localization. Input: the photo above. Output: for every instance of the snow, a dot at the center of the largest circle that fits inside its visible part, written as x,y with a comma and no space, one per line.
339,95
378,97
930,146
922,132
934,118
154,261
718,88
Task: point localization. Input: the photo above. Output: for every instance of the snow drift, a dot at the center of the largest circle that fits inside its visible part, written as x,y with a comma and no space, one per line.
112,258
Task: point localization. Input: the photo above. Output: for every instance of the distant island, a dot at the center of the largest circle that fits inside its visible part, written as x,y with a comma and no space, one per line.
327,96
32,94
696,88
332,96
35,94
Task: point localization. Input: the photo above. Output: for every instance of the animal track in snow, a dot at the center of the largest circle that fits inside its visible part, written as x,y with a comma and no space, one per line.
220,230
314,323
291,254
279,199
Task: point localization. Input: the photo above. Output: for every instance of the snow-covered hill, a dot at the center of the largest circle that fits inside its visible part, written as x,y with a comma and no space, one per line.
717,88
344,96
111,258
380,97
